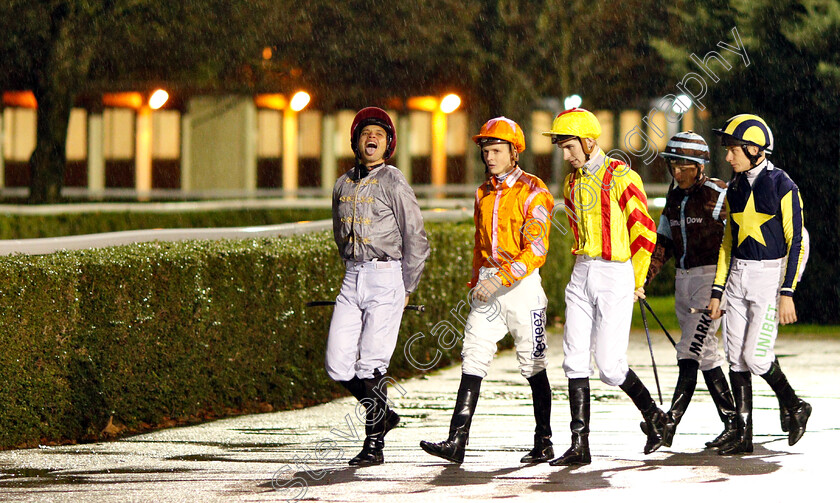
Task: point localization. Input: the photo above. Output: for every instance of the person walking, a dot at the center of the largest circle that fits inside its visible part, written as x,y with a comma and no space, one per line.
614,237
690,231
512,209
379,232
760,261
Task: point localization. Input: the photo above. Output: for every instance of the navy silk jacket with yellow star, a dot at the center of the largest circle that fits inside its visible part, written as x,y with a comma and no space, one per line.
765,223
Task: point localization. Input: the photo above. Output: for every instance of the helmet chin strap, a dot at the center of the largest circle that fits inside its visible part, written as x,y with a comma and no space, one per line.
699,177
585,147
362,170
753,158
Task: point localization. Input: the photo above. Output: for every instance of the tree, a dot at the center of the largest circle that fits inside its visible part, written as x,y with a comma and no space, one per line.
603,51
60,48
48,58
502,55
797,41
356,53
793,82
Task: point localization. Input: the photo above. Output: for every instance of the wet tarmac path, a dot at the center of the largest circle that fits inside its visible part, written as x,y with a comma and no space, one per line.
303,454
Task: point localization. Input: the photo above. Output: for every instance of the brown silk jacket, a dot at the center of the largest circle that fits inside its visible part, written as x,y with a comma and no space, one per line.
691,226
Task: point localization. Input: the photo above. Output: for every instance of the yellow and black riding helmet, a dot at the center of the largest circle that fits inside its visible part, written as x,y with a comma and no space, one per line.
744,130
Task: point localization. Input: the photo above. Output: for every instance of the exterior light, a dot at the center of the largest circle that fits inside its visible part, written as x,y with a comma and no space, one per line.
572,101
267,53
450,103
681,104
299,101
24,99
123,100
274,101
424,103
158,99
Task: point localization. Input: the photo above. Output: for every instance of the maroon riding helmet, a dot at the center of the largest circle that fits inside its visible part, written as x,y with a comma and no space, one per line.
377,117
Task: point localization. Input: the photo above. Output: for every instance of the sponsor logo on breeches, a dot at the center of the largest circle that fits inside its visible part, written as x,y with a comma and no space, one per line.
538,327
765,335
700,334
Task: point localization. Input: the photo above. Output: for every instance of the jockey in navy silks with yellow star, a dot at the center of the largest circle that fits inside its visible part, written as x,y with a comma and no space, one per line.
758,267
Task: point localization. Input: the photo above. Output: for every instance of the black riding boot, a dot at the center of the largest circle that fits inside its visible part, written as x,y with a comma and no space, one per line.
798,409
653,416
686,382
357,388
454,447
784,413
541,392
578,453
722,397
784,416
684,390
376,399
742,389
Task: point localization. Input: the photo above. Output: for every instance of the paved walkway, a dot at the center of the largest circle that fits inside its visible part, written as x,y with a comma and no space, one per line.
283,455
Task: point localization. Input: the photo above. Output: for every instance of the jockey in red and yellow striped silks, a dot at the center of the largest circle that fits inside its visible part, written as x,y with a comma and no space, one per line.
607,209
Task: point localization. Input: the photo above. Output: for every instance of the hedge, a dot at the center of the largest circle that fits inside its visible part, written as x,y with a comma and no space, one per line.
17,226
26,226
165,333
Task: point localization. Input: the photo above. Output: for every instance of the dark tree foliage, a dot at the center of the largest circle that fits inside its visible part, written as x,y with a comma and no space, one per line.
502,56
602,51
792,82
61,48
355,53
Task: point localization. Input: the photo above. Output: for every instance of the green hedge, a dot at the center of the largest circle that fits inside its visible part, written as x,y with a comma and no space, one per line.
22,226
166,333
37,226
161,332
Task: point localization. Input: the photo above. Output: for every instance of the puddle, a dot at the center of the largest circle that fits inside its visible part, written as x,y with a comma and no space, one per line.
221,445
28,478
259,430
210,458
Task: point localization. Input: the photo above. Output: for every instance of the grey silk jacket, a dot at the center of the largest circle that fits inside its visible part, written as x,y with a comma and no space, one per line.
377,217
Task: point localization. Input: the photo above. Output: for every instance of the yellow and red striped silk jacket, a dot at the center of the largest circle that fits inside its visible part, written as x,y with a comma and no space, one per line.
607,209
511,226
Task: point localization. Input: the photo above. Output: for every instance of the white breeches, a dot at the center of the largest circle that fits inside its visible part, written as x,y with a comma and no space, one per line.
366,320
751,322
699,340
599,308
520,310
